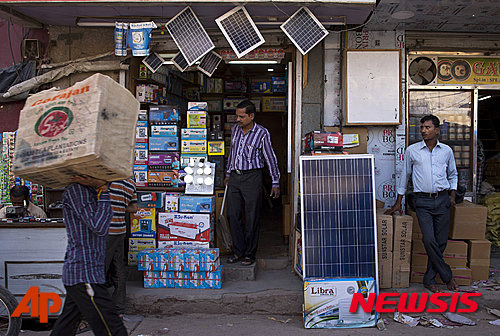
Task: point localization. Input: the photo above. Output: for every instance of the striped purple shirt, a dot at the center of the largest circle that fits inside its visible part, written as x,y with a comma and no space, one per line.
87,222
251,150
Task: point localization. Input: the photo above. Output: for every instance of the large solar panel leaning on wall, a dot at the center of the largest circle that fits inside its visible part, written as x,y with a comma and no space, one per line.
189,35
337,194
209,63
304,30
180,62
240,31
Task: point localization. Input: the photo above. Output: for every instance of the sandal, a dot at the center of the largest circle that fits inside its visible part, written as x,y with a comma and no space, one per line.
233,260
247,261
82,327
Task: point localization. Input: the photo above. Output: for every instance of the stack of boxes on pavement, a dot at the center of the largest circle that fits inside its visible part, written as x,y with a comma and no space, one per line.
467,252
181,225
181,268
394,249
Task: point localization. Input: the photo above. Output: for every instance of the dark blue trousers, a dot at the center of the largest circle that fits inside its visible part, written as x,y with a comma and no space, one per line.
433,215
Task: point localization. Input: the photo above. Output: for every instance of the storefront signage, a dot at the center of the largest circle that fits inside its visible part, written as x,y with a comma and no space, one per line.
459,70
257,54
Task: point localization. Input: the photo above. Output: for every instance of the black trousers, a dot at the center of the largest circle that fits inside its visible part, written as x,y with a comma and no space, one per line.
434,219
92,303
245,189
116,271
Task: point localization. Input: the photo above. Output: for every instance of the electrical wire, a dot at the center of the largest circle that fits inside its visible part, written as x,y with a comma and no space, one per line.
282,11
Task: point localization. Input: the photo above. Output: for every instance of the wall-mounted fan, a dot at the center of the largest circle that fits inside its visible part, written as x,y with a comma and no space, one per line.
422,70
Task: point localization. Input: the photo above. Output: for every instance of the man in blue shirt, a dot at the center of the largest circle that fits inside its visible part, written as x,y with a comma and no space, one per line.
87,216
434,176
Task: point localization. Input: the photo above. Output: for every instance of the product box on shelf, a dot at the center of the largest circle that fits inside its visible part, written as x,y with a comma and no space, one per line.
163,114
139,244
219,162
273,104
141,153
197,106
202,204
150,199
260,87
317,140
143,223
141,175
132,258
184,227
182,174
278,84
163,130
192,159
164,161
163,178
215,135
216,148
196,119
143,115
146,93
164,144
194,134
229,104
193,146
171,203
141,131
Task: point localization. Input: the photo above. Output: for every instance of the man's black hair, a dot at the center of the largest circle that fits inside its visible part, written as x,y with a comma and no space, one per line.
247,105
433,118
20,191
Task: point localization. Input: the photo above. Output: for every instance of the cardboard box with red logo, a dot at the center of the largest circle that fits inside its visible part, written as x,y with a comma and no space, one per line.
317,140
184,227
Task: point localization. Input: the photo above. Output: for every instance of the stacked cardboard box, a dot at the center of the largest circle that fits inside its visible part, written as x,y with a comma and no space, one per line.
401,251
181,268
479,258
384,248
468,221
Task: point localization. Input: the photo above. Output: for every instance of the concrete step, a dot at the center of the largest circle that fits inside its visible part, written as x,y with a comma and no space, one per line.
273,263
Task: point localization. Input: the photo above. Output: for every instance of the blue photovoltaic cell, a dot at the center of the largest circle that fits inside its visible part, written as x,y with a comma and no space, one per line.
338,221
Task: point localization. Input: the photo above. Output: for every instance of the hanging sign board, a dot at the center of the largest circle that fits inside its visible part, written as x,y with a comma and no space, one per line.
257,54
373,87
468,70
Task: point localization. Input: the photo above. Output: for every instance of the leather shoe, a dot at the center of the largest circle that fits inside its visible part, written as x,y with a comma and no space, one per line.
433,288
232,260
247,261
452,285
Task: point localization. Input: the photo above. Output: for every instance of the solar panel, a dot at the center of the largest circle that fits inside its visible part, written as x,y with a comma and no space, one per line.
338,216
180,62
304,29
153,62
209,63
240,31
189,35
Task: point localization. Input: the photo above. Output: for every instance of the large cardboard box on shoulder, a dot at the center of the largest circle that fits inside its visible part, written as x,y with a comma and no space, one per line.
401,251
88,128
467,221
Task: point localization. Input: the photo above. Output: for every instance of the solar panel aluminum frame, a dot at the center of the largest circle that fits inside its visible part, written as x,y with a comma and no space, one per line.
177,65
229,40
205,71
304,236
293,40
177,42
150,67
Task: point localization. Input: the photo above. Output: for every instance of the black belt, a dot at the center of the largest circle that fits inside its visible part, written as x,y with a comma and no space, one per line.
432,195
242,172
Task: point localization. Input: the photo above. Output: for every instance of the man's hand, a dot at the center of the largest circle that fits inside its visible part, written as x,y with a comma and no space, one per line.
226,181
452,198
88,181
396,207
275,192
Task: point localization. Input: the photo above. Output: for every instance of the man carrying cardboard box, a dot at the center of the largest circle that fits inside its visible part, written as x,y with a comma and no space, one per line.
434,175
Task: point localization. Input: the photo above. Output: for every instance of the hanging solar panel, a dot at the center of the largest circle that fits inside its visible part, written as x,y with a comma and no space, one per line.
209,63
189,35
180,62
338,216
240,31
304,29
153,62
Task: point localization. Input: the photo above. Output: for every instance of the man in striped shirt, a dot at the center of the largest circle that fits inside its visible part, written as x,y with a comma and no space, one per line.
123,200
87,216
251,149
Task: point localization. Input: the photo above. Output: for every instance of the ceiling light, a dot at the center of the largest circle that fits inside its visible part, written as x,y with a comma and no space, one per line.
253,62
403,11
270,69
484,98
168,62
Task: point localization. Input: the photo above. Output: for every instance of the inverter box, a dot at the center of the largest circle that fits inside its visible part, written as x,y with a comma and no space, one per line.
327,303
88,128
